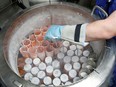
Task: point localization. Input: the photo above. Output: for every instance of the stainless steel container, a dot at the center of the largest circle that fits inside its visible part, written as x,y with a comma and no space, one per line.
23,23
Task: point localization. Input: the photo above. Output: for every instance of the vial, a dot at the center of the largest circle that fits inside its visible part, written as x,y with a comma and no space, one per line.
63,49
28,76
56,64
64,78
76,66
72,47
28,61
42,66
34,70
72,73
67,67
36,61
49,70
86,53
67,59
60,56
66,44
41,74
83,59
48,60
56,73
56,82
35,81
75,59
27,68
70,52
47,80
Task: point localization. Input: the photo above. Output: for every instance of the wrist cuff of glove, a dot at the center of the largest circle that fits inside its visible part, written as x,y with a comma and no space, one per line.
80,33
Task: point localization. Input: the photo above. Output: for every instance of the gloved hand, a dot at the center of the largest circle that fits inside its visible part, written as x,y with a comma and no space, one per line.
73,33
54,32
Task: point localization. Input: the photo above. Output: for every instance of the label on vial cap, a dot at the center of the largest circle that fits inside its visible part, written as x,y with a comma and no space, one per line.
77,66
42,66
63,49
28,76
36,61
49,69
72,47
41,74
68,67
35,81
56,64
48,60
28,61
68,83
86,53
47,80
75,59
64,78
66,43
56,82
27,67
67,59
60,55
70,52
72,73
56,73
34,70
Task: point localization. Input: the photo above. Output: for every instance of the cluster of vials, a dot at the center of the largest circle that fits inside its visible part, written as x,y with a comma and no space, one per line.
54,63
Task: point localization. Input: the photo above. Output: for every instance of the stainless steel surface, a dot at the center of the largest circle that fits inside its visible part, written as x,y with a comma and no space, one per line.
45,14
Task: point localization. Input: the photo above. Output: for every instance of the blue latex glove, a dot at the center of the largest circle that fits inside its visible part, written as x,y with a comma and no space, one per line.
54,32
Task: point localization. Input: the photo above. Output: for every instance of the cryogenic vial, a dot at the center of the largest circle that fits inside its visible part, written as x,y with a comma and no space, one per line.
60,56
27,68
78,52
56,73
70,53
72,73
75,59
28,76
84,72
34,70
72,47
47,80
36,61
66,43
67,67
76,79
76,66
67,59
68,83
33,52
56,64
50,51
49,70
28,61
63,49
56,82
42,66
79,47
48,60
41,53
64,78
83,59
41,74
86,53
92,63
35,81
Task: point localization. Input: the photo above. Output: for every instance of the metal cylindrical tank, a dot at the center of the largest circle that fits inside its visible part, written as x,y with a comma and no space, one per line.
22,25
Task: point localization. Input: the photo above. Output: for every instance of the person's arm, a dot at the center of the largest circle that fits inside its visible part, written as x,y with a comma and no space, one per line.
98,30
102,29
